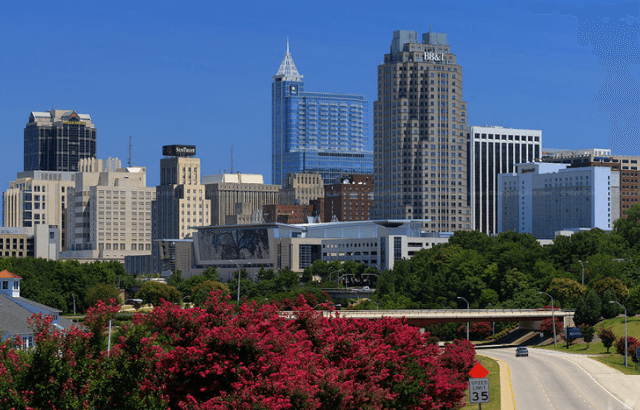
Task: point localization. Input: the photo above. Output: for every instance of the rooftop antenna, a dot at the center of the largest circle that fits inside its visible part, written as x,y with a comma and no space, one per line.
430,27
232,159
129,160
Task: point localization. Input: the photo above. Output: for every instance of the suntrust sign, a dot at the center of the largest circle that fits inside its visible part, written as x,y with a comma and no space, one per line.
179,150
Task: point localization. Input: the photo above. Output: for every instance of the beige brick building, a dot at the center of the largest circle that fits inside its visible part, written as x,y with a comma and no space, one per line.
300,188
38,198
235,198
180,198
109,212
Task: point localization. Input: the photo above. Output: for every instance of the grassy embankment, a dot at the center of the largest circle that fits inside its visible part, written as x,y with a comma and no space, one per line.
611,359
494,385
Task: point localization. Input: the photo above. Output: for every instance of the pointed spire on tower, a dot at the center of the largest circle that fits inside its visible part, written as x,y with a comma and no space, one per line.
288,70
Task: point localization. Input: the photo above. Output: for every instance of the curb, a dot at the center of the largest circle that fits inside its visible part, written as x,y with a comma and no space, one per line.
507,399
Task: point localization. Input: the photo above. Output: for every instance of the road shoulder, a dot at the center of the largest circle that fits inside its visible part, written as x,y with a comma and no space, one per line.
507,401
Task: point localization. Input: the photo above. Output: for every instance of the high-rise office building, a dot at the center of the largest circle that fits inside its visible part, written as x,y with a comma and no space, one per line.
180,198
57,140
38,198
109,212
493,151
325,133
420,148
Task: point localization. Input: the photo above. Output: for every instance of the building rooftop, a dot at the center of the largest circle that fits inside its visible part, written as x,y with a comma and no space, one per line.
5,274
288,70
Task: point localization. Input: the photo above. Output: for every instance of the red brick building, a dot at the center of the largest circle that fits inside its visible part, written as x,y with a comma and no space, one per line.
349,200
287,214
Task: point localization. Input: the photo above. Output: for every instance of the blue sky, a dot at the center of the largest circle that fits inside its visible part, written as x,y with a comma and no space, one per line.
199,73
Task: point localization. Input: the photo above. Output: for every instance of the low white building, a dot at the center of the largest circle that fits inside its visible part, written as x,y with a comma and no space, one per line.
542,198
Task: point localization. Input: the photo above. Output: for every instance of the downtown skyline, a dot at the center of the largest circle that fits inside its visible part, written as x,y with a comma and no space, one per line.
199,74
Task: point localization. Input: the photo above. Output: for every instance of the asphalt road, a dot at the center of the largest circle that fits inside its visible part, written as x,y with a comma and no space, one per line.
548,380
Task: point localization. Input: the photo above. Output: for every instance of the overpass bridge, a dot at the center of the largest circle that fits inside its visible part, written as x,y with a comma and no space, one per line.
424,317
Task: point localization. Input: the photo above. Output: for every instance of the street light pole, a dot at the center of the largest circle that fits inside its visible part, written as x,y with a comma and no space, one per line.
468,312
235,263
626,364
553,320
582,271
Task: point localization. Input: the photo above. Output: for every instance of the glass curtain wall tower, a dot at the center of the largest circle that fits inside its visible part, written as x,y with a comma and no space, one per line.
323,133
57,140
420,149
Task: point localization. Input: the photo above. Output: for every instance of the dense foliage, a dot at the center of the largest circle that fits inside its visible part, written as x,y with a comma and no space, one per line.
55,283
511,269
217,357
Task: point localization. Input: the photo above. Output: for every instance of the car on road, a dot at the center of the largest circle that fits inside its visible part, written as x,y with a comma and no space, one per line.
522,351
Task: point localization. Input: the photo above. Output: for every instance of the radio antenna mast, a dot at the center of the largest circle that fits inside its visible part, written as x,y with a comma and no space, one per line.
232,159
129,160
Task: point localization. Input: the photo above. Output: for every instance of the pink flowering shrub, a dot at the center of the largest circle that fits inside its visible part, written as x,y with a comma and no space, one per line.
217,357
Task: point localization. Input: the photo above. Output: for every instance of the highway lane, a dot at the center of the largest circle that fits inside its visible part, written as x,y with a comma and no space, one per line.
547,380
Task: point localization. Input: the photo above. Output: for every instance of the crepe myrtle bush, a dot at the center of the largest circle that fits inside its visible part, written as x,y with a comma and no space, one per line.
218,357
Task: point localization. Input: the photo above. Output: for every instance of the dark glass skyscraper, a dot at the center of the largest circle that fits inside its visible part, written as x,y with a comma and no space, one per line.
57,140
316,132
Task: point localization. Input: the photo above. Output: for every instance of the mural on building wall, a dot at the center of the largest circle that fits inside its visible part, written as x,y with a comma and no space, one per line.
233,244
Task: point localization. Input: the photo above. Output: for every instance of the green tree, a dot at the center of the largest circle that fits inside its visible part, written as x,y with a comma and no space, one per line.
629,228
588,308
610,310
211,274
565,291
152,292
587,333
101,292
633,301
472,240
607,336
175,279
202,290
287,279
618,287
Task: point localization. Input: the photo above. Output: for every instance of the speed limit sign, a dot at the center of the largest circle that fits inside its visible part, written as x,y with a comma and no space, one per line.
479,390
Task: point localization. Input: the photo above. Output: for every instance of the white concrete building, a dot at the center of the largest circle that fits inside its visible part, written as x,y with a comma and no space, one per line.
541,199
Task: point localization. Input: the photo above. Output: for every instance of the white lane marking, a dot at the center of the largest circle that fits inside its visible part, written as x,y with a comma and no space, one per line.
592,378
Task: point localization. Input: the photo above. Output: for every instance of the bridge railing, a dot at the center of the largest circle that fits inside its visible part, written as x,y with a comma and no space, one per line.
433,312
